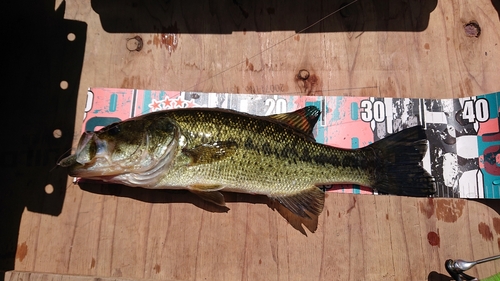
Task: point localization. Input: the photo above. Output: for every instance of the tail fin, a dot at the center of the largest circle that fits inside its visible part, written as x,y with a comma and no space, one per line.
398,171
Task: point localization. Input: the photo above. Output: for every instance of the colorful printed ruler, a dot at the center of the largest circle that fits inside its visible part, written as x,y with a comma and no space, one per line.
464,134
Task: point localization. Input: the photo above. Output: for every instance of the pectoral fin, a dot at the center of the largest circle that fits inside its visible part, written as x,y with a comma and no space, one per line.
305,202
208,153
209,193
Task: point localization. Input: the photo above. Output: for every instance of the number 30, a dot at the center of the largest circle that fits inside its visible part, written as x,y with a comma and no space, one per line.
372,111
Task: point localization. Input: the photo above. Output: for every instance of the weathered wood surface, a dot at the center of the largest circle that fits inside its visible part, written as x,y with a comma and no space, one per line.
358,238
40,276
136,234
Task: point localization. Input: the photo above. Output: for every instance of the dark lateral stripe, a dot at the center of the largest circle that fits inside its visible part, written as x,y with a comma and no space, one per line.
316,153
321,156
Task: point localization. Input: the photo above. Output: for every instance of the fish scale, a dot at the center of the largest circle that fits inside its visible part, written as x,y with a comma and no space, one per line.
261,163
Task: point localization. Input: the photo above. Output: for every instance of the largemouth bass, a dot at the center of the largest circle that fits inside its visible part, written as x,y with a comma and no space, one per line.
206,150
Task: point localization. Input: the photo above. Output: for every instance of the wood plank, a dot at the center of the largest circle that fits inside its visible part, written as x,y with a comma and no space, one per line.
358,237
124,233
438,62
39,276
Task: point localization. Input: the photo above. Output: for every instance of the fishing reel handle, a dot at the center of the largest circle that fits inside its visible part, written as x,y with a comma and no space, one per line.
456,270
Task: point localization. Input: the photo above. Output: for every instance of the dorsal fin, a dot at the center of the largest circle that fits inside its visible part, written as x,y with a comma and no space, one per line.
302,120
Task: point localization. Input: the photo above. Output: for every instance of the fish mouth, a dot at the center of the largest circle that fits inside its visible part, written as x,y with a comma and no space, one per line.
68,161
92,158
77,160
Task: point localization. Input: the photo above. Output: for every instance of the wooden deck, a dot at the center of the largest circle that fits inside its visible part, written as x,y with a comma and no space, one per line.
398,49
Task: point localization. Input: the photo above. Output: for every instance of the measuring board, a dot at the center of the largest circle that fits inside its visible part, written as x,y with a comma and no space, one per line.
463,133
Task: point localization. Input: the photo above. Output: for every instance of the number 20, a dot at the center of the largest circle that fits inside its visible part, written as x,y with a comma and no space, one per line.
275,106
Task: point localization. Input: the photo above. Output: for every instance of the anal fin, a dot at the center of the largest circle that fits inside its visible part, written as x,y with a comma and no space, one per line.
305,202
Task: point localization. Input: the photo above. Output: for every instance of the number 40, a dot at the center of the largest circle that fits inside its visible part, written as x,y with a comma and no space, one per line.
477,110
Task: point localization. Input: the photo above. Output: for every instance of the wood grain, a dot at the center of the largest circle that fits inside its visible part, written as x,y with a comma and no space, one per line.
37,276
358,238
119,233
438,62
